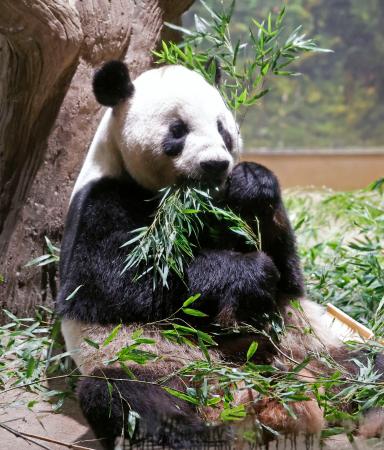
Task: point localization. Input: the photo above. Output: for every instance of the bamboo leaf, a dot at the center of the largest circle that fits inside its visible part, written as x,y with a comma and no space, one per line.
252,350
72,294
112,336
92,343
191,299
181,395
194,312
236,413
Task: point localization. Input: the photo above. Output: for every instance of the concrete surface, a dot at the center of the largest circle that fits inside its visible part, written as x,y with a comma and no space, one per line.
68,426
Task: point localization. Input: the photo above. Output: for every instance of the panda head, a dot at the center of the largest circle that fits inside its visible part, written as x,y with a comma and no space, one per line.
169,125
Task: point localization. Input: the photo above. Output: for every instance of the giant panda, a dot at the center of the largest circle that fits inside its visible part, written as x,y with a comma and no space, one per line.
171,126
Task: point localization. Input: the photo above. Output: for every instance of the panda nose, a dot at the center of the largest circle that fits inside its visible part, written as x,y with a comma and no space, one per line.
214,168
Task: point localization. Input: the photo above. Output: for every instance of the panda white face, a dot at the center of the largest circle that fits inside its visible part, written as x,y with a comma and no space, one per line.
172,126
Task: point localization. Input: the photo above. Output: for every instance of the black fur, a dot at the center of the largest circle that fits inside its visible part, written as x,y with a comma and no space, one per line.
164,419
227,138
233,285
174,141
99,221
111,83
253,190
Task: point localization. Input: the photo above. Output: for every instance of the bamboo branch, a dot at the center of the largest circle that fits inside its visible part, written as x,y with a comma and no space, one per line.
30,438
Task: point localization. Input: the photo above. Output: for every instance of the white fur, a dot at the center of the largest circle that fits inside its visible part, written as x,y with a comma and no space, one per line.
87,358
103,157
325,333
130,136
72,331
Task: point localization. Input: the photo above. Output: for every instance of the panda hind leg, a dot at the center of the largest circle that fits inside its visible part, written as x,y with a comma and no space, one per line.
107,397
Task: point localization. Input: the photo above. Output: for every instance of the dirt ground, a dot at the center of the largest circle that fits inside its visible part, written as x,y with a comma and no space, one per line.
68,426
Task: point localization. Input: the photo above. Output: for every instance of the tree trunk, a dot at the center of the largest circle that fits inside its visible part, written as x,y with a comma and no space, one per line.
48,51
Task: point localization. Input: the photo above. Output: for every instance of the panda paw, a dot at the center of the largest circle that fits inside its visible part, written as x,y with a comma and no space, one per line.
253,290
253,187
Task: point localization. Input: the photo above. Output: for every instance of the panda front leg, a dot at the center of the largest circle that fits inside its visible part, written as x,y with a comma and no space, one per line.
110,400
253,191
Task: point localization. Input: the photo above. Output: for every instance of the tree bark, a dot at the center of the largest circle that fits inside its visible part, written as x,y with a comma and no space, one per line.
48,51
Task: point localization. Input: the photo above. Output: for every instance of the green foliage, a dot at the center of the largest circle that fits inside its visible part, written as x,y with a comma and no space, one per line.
166,244
30,352
53,255
246,61
341,241
348,253
73,293
338,102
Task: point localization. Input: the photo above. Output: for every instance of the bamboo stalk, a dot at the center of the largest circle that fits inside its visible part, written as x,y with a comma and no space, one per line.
355,326
28,436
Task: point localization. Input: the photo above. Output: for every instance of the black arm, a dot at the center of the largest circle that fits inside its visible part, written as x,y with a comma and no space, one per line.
253,190
234,286
99,221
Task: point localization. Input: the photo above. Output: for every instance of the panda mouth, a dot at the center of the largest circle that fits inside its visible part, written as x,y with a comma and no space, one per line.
203,182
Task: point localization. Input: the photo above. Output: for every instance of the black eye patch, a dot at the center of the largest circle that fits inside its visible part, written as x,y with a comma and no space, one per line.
225,135
174,141
178,129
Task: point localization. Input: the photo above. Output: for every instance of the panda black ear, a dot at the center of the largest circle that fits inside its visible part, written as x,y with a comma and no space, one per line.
111,83
214,64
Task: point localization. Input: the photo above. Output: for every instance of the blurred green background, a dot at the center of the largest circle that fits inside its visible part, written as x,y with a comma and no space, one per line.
338,102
